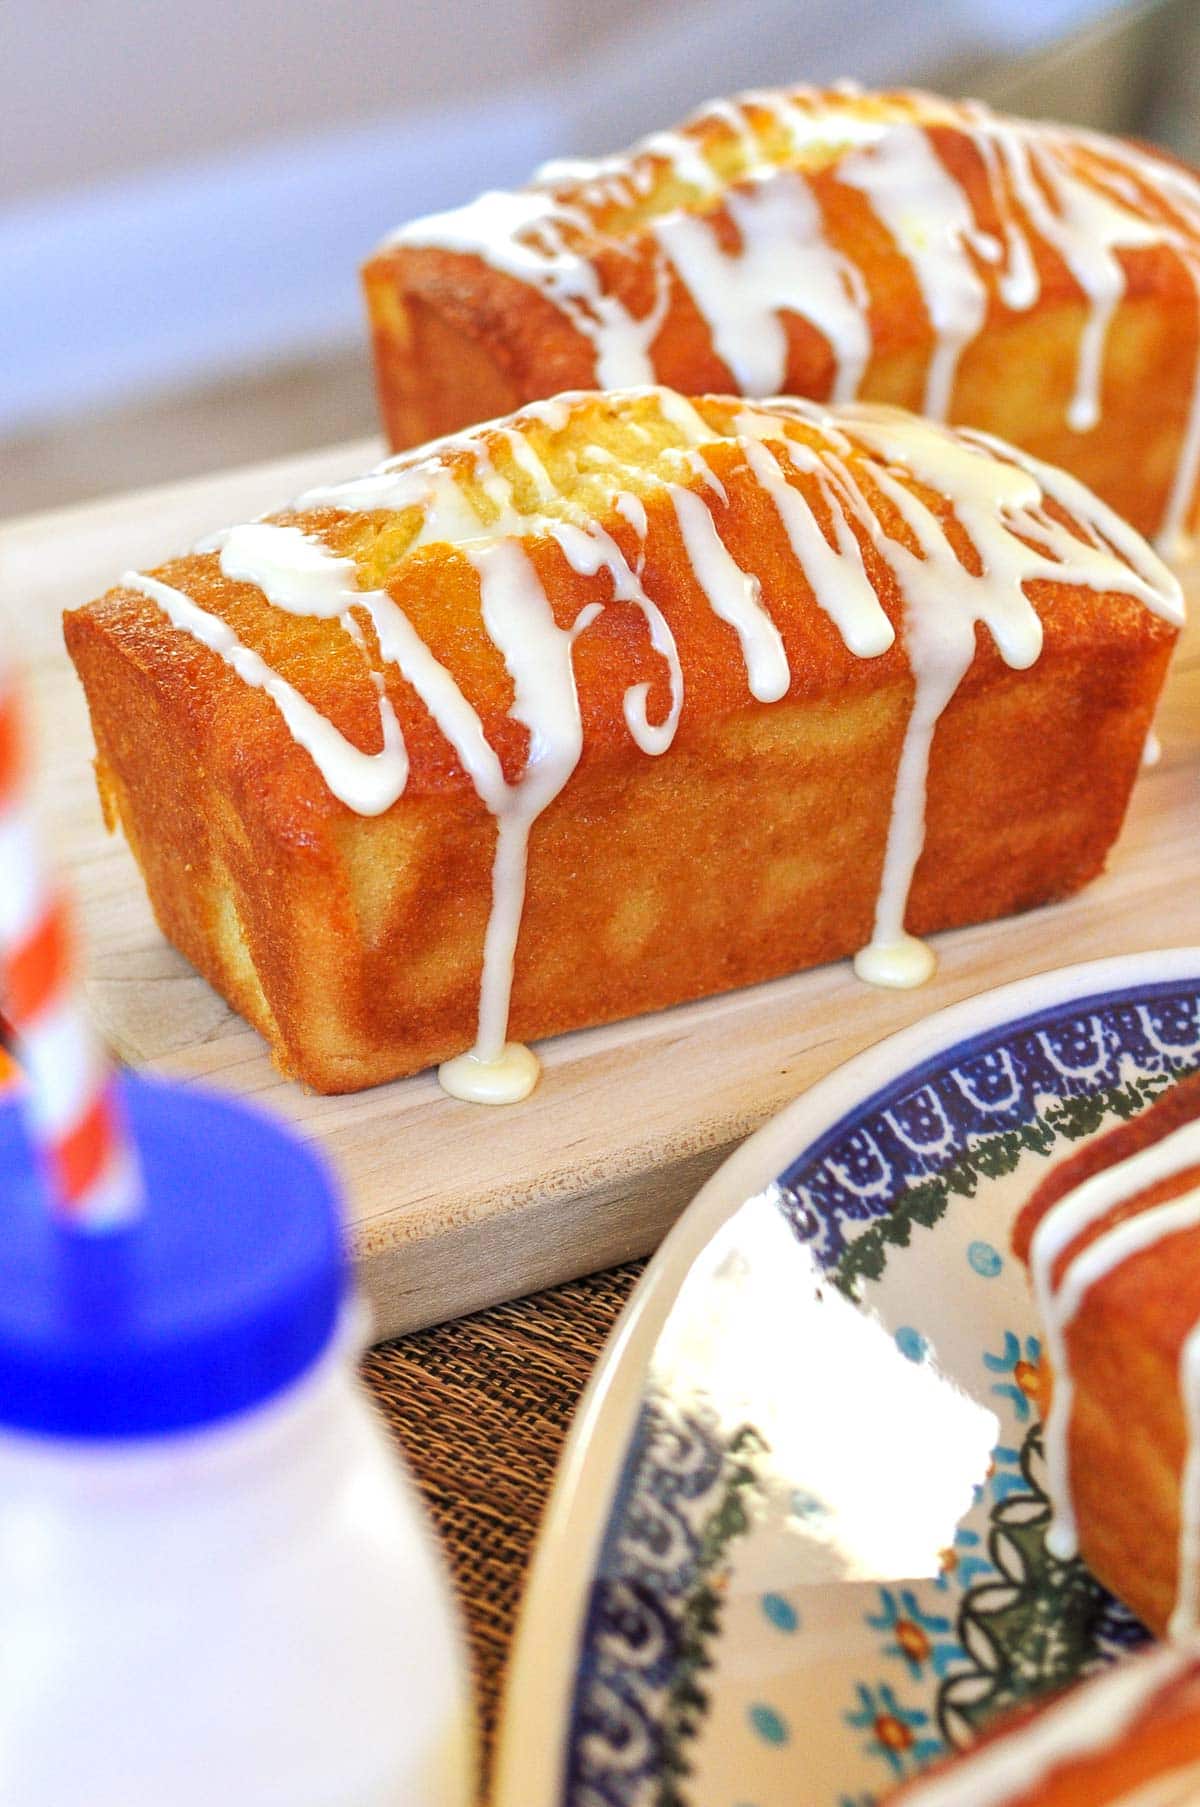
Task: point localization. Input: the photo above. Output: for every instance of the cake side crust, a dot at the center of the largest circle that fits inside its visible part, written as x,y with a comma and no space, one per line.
750,850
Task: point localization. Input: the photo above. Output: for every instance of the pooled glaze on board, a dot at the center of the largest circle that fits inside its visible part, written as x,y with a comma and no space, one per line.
1000,500
1059,1298
1083,197
1086,1722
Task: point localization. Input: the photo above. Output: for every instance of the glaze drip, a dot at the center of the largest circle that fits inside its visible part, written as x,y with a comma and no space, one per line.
794,451
1080,197
743,294
530,236
930,221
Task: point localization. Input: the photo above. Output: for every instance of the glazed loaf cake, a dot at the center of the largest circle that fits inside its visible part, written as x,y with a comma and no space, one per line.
619,702
1112,1238
1129,1737
1035,281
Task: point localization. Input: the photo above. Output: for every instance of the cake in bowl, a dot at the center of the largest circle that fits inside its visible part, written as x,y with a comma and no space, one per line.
1112,1240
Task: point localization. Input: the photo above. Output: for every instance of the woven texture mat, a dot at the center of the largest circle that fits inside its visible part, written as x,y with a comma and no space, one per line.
481,1408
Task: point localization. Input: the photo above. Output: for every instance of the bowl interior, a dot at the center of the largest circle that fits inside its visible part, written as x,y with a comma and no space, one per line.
824,1563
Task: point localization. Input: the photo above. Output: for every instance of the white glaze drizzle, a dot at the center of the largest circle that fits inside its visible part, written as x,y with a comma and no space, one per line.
743,294
367,783
684,158
537,653
735,595
527,234
836,574
699,466
995,502
1017,281
1088,1720
997,497
589,550
447,513
930,219
1078,1211
531,466
633,510
1085,197
684,416
809,121
1086,228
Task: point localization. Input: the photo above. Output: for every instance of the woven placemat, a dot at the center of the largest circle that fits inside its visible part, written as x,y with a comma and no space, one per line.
481,1408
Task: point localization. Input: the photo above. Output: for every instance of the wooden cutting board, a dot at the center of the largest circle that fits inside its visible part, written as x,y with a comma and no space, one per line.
455,1206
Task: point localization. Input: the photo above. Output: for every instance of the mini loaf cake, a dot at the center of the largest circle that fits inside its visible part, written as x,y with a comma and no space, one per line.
1035,281
1112,1239
1128,1738
619,702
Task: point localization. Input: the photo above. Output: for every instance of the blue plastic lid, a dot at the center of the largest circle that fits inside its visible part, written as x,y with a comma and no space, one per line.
223,1292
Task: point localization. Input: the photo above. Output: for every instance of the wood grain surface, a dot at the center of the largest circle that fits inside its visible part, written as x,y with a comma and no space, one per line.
455,1206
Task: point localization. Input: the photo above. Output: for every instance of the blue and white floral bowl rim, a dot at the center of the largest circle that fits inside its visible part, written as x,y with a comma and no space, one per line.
542,1669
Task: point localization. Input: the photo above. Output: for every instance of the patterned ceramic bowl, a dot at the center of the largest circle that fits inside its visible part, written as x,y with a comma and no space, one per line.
797,1546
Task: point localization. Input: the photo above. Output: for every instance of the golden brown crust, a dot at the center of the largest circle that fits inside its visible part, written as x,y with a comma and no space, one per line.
458,339
752,848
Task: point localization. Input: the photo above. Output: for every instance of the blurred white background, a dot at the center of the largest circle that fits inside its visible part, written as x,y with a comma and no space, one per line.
186,190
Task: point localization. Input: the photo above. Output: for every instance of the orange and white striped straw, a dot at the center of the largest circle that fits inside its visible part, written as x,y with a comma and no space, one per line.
69,1091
